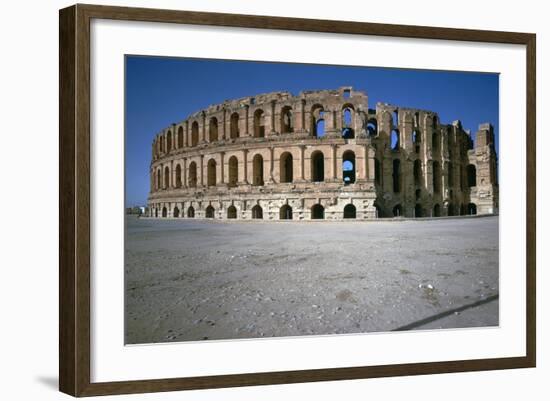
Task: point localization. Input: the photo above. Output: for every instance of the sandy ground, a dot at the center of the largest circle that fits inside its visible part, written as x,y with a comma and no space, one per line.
200,280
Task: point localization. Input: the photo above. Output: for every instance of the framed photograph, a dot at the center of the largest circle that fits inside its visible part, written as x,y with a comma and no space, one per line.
249,200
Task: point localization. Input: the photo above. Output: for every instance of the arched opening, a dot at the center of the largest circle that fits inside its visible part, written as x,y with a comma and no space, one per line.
377,172
348,167
379,212
233,171
396,175
350,212
317,166
190,212
169,141
257,212
434,122
416,140
372,127
192,179
210,212
176,212
231,212
213,129
180,137
394,139
159,183
397,211
211,173
164,212
417,194
472,175
258,170
417,171
166,177
285,167
436,177
435,142
437,210
194,133
286,120
156,212
178,176
418,210
472,209
234,126
317,212
317,121
285,213
347,123
259,127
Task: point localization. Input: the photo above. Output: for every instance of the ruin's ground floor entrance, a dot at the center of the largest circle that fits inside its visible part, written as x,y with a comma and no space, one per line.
195,280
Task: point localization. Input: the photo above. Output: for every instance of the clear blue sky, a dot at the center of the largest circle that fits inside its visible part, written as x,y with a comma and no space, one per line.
161,91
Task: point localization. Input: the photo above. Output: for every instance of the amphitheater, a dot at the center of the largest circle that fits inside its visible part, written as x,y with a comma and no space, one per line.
320,155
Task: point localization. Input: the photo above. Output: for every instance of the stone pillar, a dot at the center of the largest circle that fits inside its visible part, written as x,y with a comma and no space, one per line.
371,162
243,173
186,133
246,122
301,177
184,178
224,126
203,127
272,119
220,179
270,178
172,181
334,164
201,169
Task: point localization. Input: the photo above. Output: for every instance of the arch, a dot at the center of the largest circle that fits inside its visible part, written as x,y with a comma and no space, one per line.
396,175
372,127
159,183
317,212
164,212
416,136
211,173
348,167
450,176
213,129
285,213
259,127
287,125
166,177
180,137
472,209
317,121
472,175
194,133
156,212
434,122
437,210
435,141
347,122
417,194
418,210
350,212
394,139
450,210
176,212
190,212
436,177
209,213
258,170
417,171
178,176
397,210
317,166
234,126
231,212
257,212
169,142
285,167
233,171
192,179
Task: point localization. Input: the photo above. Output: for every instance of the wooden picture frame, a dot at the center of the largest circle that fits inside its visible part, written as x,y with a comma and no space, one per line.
74,199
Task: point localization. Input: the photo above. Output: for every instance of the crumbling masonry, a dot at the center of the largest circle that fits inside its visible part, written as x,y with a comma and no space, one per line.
320,155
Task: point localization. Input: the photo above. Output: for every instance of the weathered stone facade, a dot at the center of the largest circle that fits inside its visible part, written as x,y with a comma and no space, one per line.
321,154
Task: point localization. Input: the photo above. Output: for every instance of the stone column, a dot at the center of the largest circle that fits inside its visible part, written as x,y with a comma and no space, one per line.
203,127
201,169
220,177
335,169
172,174
246,122
224,130
301,177
271,165
186,133
272,119
370,163
184,178
243,173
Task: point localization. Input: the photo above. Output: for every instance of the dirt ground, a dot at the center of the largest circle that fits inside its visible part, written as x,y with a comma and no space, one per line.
206,280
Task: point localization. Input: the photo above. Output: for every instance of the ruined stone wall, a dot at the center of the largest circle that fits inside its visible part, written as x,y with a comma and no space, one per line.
320,154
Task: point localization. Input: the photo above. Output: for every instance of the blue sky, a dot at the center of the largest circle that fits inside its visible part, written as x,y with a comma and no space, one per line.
162,90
